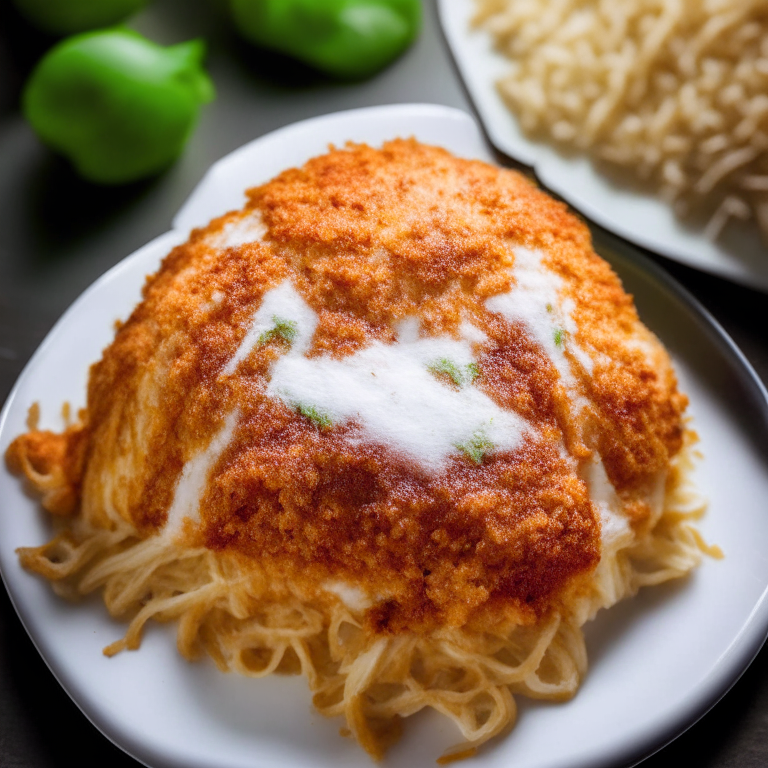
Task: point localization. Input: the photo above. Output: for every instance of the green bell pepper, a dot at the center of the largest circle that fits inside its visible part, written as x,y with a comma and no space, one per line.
65,17
117,105
344,38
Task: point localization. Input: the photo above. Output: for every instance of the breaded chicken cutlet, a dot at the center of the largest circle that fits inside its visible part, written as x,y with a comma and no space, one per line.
393,424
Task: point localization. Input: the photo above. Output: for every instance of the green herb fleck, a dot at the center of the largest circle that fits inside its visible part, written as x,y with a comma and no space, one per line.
281,328
476,447
318,418
459,375
449,368
560,336
549,307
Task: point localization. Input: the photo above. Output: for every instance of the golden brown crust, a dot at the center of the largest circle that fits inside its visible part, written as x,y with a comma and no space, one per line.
369,237
439,549
53,464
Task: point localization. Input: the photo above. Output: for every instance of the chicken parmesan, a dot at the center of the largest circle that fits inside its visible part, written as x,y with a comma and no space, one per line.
393,425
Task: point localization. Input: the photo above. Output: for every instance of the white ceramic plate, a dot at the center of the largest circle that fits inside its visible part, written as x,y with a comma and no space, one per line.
657,662
641,218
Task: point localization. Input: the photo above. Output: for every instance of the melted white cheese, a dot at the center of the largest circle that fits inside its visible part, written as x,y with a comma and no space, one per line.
396,401
615,529
534,302
472,333
284,304
645,346
388,391
353,597
241,231
194,477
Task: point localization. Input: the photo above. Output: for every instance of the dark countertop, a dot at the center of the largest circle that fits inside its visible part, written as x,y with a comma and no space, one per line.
57,235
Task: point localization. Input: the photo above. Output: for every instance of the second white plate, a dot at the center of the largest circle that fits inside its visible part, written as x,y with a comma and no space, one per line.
643,219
